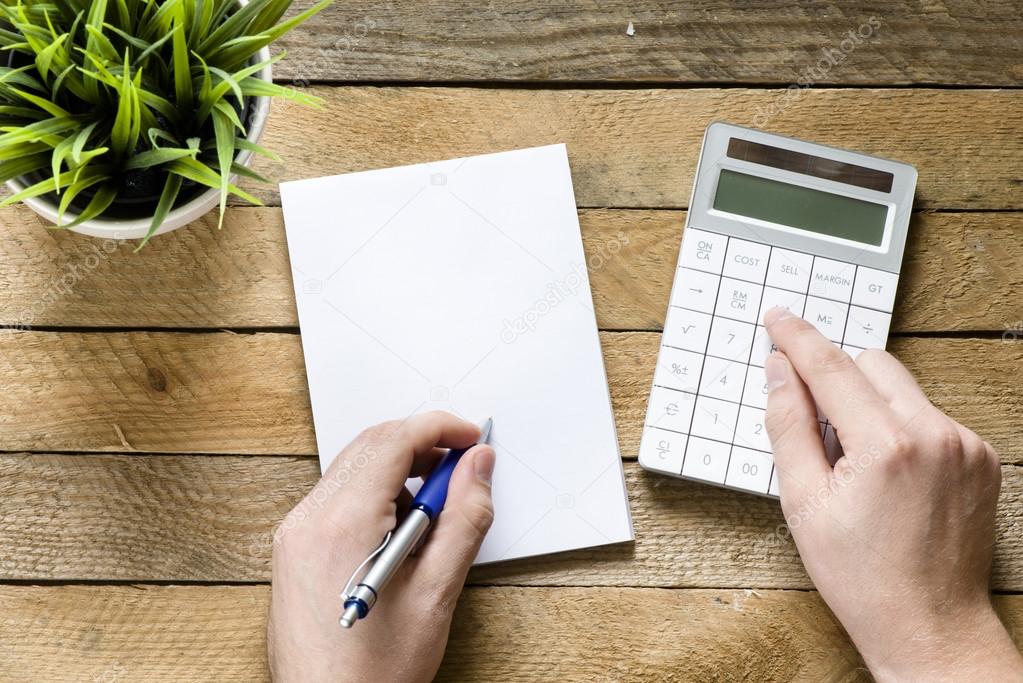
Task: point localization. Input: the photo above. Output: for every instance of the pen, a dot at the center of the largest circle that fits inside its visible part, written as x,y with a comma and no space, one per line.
403,540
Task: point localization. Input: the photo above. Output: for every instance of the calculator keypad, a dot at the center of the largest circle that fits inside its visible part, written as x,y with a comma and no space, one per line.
705,418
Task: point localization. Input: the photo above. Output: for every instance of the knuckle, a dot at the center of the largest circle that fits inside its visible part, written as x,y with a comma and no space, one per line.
780,421
479,515
945,440
870,358
828,359
428,420
996,469
439,416
378,433
973,446
790,325
992,455
990,463
900,446
844,469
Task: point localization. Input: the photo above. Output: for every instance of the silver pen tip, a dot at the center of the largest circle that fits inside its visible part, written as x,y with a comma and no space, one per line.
349,617
485,430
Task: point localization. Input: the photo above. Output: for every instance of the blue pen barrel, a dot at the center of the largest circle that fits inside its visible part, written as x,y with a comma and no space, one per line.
434,493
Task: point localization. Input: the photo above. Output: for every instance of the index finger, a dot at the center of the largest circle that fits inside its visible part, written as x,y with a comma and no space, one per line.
354,502
840,388
382,457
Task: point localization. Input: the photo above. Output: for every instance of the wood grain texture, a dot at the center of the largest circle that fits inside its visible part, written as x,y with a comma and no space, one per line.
639,148
962,271
95,515
168,392
216,633
212,519
695,42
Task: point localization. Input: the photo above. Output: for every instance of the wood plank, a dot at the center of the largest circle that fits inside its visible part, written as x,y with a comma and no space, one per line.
639,148
221,392
698,42
212,519
176,633
962,272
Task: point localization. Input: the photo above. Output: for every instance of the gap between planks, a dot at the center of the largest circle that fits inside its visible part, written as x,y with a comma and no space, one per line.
961,272
212,519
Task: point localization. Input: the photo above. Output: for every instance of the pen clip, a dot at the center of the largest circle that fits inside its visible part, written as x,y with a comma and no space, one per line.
346,593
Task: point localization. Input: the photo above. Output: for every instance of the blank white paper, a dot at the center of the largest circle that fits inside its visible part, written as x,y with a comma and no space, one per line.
462,285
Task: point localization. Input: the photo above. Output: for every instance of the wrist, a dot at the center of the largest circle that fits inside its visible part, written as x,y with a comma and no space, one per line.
947,646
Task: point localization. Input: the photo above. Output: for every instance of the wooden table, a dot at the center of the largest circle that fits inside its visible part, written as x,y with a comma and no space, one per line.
154,417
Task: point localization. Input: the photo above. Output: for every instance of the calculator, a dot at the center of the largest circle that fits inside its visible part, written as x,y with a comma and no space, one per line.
773,221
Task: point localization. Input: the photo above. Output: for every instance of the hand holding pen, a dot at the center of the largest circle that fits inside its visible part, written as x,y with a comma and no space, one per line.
385,561
343,520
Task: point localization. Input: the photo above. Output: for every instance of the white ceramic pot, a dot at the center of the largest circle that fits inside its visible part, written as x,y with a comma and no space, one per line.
183,215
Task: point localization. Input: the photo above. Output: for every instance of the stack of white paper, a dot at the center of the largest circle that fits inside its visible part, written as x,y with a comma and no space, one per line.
461,285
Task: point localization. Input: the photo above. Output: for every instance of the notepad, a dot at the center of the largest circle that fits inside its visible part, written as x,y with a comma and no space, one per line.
462,286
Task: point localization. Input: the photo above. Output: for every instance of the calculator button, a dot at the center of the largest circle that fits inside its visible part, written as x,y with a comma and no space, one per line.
749,469
714,419
671,410
866,328
754,393
662,451
703,250
695,290
730,339
853,351
750,430
773,488
789,270
832,279
832,447
738,300
773,297
875,289
747,260
762,347
677,369
685,329
722,379
826,316
706,460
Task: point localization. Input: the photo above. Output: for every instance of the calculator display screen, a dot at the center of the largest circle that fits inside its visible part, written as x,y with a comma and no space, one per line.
801,207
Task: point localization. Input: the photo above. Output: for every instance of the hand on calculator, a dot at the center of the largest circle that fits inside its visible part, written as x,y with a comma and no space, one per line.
898,535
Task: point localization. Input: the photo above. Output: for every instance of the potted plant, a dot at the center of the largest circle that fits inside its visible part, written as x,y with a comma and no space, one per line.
129,118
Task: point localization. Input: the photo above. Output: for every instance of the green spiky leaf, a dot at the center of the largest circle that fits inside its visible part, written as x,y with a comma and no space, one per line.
108,96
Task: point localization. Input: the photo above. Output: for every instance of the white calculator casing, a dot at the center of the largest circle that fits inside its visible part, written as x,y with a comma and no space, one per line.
705,415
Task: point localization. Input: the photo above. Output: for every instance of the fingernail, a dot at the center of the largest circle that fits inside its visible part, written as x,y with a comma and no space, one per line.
776,370
484,464
775,314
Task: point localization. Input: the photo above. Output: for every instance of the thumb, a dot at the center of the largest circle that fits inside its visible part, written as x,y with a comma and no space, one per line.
791,422
445,559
